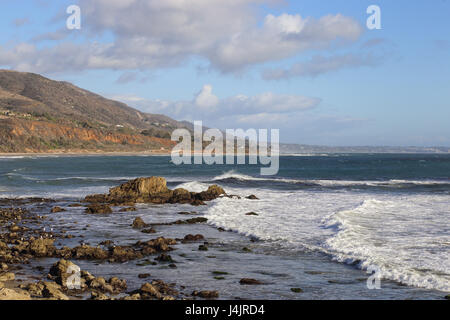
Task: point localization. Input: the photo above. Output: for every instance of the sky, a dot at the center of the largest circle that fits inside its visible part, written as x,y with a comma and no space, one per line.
312,69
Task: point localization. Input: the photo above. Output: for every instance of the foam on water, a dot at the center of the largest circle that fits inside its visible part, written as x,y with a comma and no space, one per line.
407,237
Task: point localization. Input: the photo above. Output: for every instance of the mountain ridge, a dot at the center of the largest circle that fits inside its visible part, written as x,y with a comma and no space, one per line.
38,114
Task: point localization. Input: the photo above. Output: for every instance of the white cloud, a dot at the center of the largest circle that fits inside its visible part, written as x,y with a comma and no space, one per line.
222,112
320,65
149,34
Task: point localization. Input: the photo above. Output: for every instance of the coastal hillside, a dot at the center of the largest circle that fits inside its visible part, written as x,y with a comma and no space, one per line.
42,115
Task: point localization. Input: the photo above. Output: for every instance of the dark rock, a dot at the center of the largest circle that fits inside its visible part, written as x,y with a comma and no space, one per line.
164,258
193,238
149,230
138,223
57,209
251,214
129,209
202,247
248,281
252,197
206,294
144,275
99,209
296,290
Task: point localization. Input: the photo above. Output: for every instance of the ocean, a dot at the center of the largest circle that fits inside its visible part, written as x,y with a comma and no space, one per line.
321,223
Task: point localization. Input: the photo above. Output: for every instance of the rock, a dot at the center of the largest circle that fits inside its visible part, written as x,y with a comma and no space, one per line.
191,221
144,275
153,190
117,284
202,247
3,266
150,290
192,238
95,295
140,187
251,214
53,291
135,296
7,277
180,195
34,289
138,223
87,252
164,258
252,197
42,247
149,230
9,294
14,228
123,254
297,290
206,294
129,209
64,273
101,285
57,209
99,209
248,281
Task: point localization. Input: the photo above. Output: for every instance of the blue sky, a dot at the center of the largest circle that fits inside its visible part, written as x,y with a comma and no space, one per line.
310,68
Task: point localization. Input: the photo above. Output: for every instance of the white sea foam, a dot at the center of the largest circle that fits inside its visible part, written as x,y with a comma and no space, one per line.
407,237
330,183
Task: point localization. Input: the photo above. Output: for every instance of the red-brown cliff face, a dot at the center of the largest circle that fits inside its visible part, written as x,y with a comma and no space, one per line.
41,115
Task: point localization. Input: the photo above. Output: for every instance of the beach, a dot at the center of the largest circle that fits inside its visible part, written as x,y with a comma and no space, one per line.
297,238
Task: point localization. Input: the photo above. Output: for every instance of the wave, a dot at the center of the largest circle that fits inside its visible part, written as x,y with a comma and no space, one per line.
396,238
234,176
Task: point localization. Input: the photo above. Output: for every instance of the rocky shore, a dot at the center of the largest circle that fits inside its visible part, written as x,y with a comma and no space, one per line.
27,237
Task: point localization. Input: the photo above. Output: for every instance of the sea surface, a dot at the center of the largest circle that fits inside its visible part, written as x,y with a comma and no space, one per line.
322,222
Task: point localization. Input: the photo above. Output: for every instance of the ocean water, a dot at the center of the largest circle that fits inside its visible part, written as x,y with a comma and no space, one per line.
322,221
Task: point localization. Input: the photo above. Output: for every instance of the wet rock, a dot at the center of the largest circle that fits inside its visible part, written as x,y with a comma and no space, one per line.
153,190
193,238
164,258
64,273
251,214
9,294
129,209
150,290
7,277
138,223
202,247
75,205
144,275
205,294
89,253
118,285
135,296
95,295
148,230
3,266
53,291
34,289
57,209
99,209
42,247
252,197
249,281
180,195
296,290
123,254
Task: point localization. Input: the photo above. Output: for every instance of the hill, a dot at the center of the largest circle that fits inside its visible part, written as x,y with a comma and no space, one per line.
42,115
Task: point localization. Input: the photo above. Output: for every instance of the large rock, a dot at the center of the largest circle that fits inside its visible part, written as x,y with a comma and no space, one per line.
140,187
64,272
153,190
53,291
9,294
42,247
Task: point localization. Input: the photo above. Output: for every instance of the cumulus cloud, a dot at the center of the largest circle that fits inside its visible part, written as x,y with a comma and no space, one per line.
149,34
320,65
235,109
